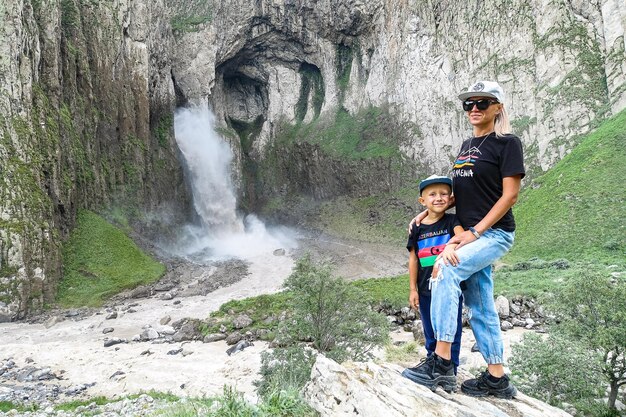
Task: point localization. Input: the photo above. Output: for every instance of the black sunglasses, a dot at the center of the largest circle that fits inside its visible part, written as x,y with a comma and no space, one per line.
481,104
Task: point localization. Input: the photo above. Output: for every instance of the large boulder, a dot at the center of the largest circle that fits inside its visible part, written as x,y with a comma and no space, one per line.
374,390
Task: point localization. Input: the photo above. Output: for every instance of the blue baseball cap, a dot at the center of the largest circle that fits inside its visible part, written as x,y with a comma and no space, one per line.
435,179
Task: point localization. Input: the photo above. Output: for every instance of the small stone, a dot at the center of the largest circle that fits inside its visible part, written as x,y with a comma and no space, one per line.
514,309
517,322
176,302
107,330
111,316
167,296
117,374
279,252
214,337
506,325
175,351
52,321
149,334
233,338
242,321
165,320
502,307
114,341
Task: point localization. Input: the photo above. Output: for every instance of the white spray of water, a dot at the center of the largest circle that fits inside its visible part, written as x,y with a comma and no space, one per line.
222,232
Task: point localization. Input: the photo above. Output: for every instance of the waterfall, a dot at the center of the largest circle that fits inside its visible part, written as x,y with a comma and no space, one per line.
222,232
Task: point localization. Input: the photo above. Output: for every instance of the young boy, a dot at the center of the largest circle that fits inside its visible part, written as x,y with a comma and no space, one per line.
426,243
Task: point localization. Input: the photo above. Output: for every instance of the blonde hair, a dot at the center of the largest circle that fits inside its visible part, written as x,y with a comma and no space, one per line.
502,124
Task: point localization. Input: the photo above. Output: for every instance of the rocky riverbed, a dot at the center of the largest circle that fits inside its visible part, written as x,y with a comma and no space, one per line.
134,343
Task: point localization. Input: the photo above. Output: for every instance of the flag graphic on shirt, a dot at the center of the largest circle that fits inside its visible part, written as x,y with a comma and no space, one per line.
430,248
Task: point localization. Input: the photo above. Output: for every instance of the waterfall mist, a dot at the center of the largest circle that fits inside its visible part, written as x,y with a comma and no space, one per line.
220,232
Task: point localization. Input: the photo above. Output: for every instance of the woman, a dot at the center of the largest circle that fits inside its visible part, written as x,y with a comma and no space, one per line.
486,181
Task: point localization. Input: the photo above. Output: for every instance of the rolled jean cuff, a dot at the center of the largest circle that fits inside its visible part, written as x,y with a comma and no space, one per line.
448,338
493,360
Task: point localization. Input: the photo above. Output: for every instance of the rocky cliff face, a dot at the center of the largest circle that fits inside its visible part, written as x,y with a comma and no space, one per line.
85,120
88,89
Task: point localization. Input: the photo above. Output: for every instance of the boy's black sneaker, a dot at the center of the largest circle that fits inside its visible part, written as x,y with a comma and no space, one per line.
432,372
483,386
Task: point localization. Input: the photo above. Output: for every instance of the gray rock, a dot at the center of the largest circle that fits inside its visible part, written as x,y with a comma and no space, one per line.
214,337
114,341
502,307
165,320
175,351
111,316
514,309
167,296
241,345
141,292
166,286
517,322
242,321
233,338
279,252
506,325
108,330
418,333
149,334
51,321
407,313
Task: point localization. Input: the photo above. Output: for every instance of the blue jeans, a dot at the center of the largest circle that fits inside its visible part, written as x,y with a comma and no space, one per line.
475,269
429,333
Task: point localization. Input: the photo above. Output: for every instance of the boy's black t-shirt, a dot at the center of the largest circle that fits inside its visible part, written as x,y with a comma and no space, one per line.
428,241
477,177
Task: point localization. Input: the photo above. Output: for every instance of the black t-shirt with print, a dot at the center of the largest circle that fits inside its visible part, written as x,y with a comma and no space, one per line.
477,177
428,241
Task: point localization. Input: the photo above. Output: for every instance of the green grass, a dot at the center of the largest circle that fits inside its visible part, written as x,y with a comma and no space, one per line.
99,261
577,209
391,290
8,406
260,309
370,133
377,218
73,405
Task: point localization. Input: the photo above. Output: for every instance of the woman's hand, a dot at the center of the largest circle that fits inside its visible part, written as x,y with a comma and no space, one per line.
449,255
414,300
462,239
418,219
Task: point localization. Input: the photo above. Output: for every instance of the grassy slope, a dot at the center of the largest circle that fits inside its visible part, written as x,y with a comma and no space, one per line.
99,261
577,209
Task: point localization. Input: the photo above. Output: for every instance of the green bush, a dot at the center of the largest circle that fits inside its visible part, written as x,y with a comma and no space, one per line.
589,337
287,403
285,369
543,368
333,315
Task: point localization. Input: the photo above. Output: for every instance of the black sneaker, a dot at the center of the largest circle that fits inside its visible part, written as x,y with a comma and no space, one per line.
483,386
431,372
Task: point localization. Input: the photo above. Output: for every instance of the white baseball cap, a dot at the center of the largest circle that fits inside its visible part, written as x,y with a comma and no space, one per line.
484,89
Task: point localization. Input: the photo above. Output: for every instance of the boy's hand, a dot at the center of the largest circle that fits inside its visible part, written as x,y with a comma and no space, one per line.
418,219
449,256
414,300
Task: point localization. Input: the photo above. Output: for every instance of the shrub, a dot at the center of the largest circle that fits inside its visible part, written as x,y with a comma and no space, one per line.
285,369
590,334
331,314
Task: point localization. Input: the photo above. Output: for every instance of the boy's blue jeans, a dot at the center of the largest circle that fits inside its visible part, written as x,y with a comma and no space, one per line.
429,333
475,269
